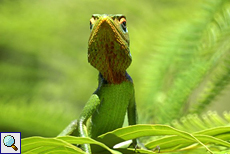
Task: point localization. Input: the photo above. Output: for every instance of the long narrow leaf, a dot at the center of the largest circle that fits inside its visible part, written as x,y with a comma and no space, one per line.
40,145
177,142
55,145
84,140
136,131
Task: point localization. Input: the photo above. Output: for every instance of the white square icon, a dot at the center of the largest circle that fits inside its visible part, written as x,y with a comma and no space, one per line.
10,142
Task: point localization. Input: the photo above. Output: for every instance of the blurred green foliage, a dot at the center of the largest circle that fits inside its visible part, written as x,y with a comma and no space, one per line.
178,48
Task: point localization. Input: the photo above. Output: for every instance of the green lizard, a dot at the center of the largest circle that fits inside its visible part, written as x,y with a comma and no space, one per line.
108,52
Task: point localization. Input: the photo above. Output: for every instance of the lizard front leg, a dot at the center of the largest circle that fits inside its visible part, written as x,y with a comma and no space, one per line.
132,116
78,127
132,119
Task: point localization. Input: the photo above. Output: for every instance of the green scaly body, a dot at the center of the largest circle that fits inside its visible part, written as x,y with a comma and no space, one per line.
108,52
110,115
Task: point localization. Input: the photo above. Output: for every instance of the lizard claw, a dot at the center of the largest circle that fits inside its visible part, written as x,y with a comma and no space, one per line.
157,148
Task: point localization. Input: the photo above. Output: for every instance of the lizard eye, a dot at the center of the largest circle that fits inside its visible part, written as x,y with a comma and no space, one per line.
90,25
123,24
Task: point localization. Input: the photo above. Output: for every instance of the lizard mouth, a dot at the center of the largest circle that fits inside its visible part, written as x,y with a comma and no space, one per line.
108,50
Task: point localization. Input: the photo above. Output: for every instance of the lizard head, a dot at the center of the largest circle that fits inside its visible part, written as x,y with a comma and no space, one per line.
108,46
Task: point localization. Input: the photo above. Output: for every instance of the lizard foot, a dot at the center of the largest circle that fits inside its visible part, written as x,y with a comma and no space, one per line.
157,148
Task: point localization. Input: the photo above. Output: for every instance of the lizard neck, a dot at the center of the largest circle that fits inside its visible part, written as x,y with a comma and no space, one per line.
103,80
114,77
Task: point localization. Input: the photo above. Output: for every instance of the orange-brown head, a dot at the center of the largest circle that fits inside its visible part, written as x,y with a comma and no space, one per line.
108,47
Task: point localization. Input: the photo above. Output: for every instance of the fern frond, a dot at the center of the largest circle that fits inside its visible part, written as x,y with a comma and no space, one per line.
194,123
186,60
219,75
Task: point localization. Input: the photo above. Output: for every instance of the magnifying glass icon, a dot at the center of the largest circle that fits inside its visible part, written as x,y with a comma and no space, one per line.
9,141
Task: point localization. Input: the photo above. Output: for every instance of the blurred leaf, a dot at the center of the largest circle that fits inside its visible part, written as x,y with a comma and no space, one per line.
194,123
189,68
47,145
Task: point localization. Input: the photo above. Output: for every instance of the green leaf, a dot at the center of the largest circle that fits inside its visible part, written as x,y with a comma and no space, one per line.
178,140
173,143
83,140
214,135
135,151
59,144
46,145
136,131
215,131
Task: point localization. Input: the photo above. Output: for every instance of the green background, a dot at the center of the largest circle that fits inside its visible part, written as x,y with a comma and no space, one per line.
45,78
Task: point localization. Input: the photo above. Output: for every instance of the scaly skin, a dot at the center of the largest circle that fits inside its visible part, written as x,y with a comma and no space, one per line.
108,49
108,52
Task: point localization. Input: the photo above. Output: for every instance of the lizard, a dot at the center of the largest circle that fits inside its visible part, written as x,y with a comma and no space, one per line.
108,52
